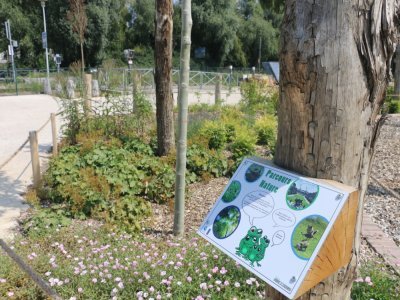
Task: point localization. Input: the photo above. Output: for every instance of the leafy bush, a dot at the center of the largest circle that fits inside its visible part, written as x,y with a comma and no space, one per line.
206,163
266,128
259,95
215,133
394,107
45,220
244,145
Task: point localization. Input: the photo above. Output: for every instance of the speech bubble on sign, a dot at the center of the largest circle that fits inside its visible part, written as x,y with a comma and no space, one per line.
283,218
278,238
258,204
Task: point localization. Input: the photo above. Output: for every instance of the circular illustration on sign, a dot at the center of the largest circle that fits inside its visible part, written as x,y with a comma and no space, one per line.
301,194
254,172
307,235
232,192
226,222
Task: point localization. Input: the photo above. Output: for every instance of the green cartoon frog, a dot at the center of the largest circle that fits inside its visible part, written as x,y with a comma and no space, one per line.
257,253
251,239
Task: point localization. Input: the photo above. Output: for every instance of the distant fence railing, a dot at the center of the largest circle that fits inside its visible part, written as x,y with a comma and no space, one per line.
123,78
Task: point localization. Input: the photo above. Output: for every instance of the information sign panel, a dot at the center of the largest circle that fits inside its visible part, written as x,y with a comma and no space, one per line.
273,222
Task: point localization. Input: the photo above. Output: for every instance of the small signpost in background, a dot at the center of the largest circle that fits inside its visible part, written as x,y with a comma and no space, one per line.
289,230
44,40
11,52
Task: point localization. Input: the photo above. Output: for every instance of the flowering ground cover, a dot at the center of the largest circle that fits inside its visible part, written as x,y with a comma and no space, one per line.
82,262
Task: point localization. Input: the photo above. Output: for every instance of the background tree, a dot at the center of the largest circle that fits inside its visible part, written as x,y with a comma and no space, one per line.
78,20
163,77
335,62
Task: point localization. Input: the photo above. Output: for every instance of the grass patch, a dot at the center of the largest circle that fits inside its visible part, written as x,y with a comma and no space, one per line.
375,282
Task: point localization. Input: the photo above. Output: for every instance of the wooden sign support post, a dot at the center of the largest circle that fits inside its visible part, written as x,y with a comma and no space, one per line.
337,248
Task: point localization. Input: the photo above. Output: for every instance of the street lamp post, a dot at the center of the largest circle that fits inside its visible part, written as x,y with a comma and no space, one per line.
47,87
230,75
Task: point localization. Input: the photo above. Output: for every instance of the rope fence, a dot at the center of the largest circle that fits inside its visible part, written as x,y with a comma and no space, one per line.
28,270
27,141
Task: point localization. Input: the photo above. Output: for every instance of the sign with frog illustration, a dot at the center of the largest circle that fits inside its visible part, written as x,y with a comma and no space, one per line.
273,222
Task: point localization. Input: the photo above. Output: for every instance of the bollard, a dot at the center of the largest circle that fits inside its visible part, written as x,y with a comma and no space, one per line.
70,89
35,158
54,133
88,94
88,86
218,98
95,88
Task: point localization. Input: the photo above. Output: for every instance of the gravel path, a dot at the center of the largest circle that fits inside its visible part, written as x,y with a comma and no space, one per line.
383,207
18,116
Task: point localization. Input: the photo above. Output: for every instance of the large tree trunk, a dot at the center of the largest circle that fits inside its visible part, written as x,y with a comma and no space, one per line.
335,60
163,77
186,42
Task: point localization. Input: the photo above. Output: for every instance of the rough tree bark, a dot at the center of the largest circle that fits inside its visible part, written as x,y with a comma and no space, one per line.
163,77
335,61
183,117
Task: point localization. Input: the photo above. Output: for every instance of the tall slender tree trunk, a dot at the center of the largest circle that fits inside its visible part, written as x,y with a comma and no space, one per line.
335,61
163,77
397,73
183,117
82,59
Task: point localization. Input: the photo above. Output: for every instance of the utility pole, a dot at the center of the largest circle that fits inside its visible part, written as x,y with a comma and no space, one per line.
47,88
11,53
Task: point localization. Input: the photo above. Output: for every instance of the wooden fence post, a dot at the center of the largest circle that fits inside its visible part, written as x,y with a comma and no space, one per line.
88,93
54,133
35,158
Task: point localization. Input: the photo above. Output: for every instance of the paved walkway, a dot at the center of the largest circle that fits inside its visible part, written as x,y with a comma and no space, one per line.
381,243
18,116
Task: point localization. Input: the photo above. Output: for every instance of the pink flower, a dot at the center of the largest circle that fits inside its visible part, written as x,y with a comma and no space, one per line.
226,282
151,289
367,279
121,285
199,298
94,280
10,294
203,286
237,284
223,271
80,290
2,280
189,279
249,282
218,282
162,273
215,270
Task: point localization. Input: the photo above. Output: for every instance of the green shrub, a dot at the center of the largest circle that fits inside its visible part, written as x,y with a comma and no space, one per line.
259,95
244,145
215,133
266,128
45,220
394,107
204,162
